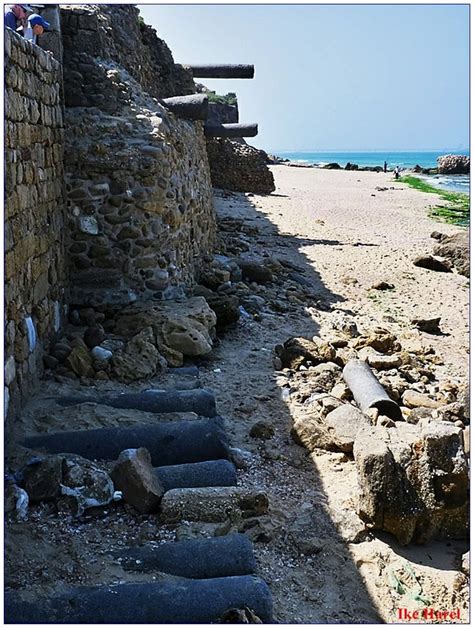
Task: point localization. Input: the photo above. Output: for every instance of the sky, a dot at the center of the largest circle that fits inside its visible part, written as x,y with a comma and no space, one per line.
334,77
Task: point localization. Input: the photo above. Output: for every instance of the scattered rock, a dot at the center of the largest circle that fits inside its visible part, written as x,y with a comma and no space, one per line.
133,475
99,353
255,270
344,424
341,391
239,616
428,325
225,307
310,431
73,482
16,500
262,429
382,285
415,399
79,361
94,336
432,263
456,249
139,360
297,351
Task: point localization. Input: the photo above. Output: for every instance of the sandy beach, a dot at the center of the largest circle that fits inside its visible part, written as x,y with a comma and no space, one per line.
342,232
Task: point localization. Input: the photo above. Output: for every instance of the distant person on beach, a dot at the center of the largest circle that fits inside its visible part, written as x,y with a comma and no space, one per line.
385,166
15,17
397,172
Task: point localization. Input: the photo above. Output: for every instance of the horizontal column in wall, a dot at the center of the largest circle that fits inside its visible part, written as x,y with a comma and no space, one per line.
231,130
193,107
223,70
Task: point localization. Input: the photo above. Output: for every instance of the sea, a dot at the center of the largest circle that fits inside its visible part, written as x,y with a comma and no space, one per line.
404,160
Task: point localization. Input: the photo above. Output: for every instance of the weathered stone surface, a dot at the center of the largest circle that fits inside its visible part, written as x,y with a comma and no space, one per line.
212,504
262,429
255,270
431,263
312,433
74,483
239,167
454,164
344,424
428,325
415,399
79,361
413,482
140,359
16,500
133,475
225,307
183,328
456,248
93,336
298,351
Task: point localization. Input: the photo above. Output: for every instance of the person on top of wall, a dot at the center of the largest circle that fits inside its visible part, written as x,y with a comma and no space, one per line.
15,17
35,26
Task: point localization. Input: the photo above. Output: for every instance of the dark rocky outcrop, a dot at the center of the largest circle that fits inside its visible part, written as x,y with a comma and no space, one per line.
454,164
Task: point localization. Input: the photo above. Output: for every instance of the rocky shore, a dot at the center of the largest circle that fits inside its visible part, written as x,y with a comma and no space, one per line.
299,285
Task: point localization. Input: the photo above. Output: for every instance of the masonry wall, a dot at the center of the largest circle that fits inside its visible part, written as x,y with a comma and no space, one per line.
34,212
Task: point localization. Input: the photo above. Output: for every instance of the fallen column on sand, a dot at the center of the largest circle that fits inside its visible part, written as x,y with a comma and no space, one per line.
180,602
168,443
218,557
367,391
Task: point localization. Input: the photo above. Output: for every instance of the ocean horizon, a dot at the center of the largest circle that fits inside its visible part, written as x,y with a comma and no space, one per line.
402,159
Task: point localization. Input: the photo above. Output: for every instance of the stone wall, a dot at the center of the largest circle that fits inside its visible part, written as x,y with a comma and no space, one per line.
116,33
239,167
140,212
34,212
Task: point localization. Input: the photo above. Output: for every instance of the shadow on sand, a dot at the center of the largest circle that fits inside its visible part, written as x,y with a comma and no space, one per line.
322,585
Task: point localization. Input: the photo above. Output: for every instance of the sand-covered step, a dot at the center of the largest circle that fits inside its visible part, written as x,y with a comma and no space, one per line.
201,401
168,443
212,504
217,557
184,601
197,474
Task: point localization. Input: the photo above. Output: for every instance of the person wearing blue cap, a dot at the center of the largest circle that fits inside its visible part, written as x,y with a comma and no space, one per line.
36,26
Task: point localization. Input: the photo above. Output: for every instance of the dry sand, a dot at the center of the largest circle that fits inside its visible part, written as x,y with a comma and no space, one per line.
344,235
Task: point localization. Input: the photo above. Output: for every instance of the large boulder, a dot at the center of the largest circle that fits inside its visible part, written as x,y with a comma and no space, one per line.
413,480
140,359
181,328
456,248
71,481
454,164
133,475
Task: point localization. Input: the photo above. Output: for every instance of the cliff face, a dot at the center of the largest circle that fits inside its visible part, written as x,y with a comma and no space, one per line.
140,211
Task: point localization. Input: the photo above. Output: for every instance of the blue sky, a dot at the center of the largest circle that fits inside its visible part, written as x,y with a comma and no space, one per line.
340,77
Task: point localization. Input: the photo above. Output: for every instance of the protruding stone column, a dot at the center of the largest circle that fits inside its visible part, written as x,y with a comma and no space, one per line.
231,130
222,70
193,107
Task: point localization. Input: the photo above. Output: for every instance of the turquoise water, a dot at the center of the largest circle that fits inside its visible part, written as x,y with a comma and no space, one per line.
425,159
402,160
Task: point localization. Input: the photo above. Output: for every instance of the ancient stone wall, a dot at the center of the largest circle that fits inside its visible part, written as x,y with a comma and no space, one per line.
239,167
34,211
115,33
140,212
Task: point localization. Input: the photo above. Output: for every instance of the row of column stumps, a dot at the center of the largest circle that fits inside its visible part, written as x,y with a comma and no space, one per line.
191,458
